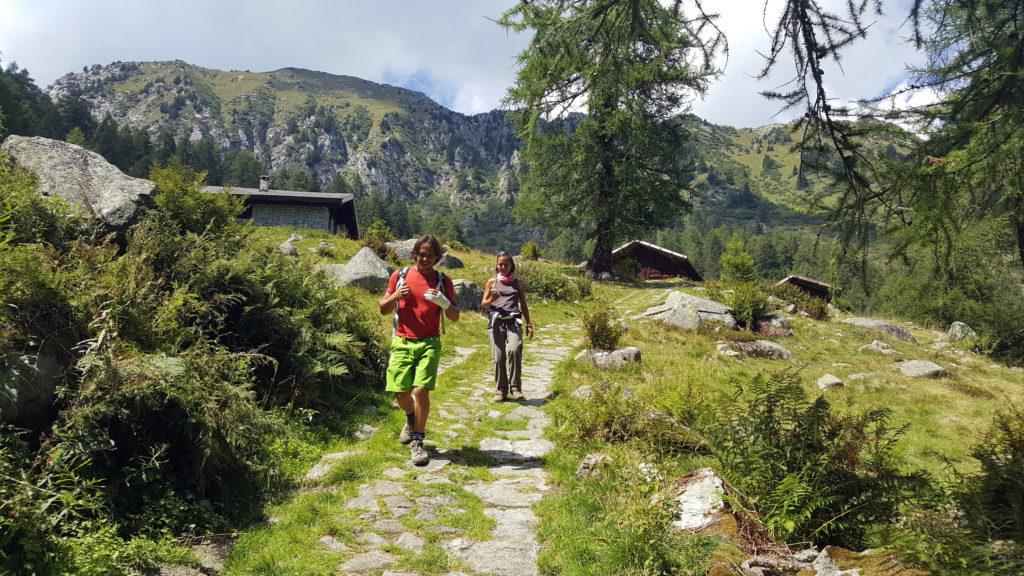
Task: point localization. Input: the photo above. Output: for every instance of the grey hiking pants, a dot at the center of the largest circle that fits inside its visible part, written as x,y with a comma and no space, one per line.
507,352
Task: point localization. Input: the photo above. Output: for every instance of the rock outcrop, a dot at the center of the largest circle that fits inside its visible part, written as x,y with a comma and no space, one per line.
610,358
365,270
82,178
882,326
689,312
921,369
468,293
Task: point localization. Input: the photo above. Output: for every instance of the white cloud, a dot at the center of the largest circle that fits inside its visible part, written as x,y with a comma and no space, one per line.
450,47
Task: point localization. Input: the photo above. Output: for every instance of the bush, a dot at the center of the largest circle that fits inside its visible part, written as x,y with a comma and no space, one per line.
186,345
530,251
179,196
611,415
627,269
601,327
178,442
548,282
737,264
995,499
749,305
810,475
376,238
27,217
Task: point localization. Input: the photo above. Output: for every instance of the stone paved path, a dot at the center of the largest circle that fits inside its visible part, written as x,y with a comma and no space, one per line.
404,509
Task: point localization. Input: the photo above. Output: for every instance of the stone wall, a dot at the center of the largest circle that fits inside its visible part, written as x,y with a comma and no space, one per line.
313,217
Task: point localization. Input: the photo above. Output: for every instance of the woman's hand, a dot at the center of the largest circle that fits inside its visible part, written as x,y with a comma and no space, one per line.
529,330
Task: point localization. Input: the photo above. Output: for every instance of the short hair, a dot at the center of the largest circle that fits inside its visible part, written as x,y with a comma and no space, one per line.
428,239
511,260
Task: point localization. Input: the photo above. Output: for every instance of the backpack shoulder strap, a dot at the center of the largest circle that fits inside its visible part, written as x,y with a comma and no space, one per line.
401,280
440,288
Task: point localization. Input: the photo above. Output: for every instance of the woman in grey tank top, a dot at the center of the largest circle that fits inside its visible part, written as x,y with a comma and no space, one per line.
505,301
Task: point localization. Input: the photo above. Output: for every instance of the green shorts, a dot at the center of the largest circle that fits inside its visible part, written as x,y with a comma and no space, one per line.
413,363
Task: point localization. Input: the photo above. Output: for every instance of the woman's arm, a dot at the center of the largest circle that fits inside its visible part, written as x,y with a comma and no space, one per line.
525,309
488,298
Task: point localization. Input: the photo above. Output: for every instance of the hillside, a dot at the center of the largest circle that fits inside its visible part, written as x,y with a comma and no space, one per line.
399,142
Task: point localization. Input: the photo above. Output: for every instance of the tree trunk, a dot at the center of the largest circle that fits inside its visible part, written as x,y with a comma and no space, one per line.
1018,225
605,230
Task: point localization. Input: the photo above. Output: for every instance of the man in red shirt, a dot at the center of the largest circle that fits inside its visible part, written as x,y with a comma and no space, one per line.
416,345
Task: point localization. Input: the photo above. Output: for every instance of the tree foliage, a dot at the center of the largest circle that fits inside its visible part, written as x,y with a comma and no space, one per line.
614,173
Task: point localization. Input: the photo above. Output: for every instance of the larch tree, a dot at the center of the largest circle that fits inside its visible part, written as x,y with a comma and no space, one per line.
614,172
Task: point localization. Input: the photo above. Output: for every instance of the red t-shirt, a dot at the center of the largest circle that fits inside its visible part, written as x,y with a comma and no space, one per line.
417,316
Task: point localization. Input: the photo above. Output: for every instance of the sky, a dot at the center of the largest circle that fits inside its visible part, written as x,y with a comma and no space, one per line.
450,50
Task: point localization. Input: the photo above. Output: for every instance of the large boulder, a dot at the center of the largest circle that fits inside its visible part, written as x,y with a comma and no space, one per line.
757,349
450,261
403,247
610,358
689,312
469,294
959,331
365,270
82,178
882,326
921,369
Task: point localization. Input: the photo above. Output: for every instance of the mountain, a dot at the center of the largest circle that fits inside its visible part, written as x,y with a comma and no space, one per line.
399,142
401,145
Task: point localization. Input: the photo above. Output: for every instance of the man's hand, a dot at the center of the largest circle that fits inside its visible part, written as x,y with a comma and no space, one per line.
434,295
400,293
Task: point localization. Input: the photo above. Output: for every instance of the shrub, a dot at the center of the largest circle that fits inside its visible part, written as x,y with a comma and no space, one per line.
548,282
28,217
627,269
601,327
995,499
376,238
530,251
187,343
380,231
749,305
810,475
176,441
179,196
611,415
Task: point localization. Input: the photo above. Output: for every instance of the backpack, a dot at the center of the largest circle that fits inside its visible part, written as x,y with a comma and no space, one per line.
398,284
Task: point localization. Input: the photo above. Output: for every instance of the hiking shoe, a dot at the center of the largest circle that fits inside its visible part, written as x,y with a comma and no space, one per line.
405,436
499,396
516,395
419,453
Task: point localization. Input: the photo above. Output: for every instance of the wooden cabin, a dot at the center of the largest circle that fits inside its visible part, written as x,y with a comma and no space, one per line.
656,262
815,288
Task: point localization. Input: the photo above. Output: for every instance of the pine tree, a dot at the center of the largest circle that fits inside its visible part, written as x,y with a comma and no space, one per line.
75,136
616,173
737,263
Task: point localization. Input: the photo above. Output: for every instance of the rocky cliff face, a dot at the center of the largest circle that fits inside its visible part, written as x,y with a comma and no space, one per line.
399,142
